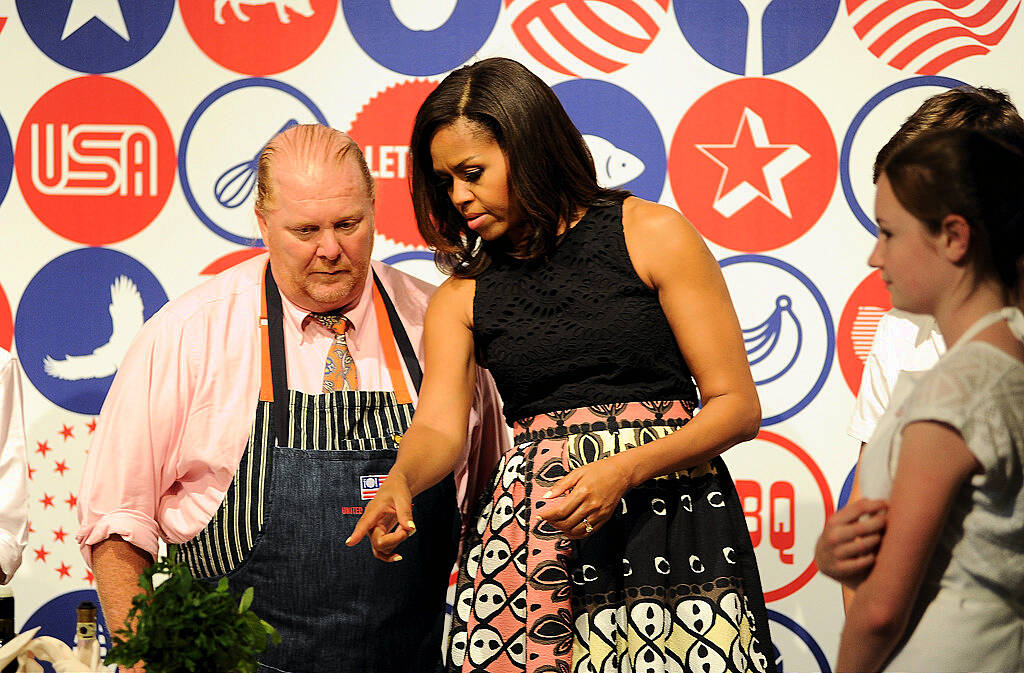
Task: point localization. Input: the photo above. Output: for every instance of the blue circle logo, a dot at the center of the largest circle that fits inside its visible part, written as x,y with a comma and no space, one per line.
75,322
95,36
795,648
847,489
629,155
58,618
864,158
421,38
755,38
219,187
787,330
6,159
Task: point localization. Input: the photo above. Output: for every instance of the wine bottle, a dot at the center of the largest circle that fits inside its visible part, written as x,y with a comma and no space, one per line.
7,624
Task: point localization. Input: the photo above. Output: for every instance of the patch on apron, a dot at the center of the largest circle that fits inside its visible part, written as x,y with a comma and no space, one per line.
369,484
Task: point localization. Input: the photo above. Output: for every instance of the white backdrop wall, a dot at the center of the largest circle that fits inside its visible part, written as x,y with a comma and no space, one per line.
129,128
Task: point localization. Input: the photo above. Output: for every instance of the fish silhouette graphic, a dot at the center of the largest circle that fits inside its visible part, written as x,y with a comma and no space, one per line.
615,166
126,316
763,341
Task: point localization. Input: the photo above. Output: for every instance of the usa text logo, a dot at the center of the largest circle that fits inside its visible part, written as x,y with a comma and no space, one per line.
95,160
111,158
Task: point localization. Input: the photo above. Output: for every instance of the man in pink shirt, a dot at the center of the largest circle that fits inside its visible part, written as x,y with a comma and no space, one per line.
254,416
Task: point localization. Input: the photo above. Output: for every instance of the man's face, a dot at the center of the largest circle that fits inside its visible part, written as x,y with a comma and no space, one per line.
319,230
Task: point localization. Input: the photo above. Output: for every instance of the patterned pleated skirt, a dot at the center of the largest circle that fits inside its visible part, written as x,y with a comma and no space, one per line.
669,583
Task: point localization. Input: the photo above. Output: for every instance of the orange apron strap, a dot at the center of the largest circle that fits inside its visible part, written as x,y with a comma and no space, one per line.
387,342
266,380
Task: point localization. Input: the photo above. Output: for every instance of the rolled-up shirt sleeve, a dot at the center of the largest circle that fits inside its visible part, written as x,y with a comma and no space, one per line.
13,470
131,460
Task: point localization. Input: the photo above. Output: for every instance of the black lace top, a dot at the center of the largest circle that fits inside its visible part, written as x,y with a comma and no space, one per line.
577,328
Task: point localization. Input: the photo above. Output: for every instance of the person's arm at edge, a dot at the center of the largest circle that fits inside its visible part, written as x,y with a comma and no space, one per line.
120,489
846,549
13,473
934,463
431,446
117,565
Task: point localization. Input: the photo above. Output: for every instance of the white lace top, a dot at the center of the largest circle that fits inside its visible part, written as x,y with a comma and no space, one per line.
975,581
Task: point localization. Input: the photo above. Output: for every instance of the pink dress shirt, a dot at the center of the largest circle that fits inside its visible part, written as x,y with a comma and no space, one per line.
178,414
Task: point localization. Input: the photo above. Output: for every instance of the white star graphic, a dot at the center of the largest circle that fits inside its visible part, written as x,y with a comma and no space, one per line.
107,11
788,157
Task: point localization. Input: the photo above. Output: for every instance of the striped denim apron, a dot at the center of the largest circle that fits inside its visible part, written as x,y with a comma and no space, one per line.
311,464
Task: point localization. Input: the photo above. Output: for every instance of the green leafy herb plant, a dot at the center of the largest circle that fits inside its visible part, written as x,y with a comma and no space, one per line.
188,625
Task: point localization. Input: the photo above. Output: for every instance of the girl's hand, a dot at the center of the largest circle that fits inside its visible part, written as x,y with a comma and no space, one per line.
387,519
592,493
846,549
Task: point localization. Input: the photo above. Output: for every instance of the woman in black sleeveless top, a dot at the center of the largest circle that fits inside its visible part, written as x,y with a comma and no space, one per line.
611,537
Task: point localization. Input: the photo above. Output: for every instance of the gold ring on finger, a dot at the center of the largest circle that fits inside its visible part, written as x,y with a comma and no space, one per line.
587,527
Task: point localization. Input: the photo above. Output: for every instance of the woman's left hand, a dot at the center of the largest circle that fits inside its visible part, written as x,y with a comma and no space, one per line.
592,493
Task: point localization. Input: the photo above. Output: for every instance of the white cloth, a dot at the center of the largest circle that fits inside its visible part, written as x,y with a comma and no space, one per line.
13,469
969,615
904,342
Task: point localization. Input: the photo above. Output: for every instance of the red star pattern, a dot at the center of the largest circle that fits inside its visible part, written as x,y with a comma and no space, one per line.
67,432
30,528
89,577
61,466
744,161
43,447
64,570
59,534
41,553
92,428
47,500
71,500
30,471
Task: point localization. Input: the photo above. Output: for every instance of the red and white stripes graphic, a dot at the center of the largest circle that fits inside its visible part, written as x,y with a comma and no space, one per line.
585,37
926,36
865,324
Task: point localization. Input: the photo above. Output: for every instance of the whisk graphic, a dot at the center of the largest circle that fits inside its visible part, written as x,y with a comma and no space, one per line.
235,184
762,339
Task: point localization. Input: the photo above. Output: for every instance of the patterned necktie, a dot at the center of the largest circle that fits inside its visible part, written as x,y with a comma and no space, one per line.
340,368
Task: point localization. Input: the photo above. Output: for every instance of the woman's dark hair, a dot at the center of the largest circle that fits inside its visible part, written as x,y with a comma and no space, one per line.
551,173
974,175
967,107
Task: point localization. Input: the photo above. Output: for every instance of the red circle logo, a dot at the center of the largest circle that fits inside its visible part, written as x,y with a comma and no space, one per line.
6,322
382,128
236,33
586,37
858,324
785,508
229,260
753,164
95,160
